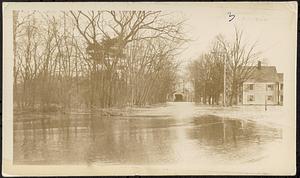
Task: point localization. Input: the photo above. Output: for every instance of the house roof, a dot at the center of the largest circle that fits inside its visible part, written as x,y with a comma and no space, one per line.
280,77
266,74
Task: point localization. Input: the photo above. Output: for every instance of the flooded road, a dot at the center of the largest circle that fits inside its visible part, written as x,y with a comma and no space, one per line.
178,136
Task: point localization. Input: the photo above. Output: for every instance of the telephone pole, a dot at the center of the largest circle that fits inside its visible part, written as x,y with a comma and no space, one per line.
222,55
224,87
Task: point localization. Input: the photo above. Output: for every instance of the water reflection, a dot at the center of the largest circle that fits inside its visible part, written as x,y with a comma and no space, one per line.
232,139
88,139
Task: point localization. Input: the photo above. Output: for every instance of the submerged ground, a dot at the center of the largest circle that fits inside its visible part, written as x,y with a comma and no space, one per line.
172,134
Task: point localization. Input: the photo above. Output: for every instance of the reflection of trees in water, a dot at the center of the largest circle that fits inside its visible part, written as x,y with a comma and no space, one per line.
32,145
28,145
48,139
231,136
91,138
136,141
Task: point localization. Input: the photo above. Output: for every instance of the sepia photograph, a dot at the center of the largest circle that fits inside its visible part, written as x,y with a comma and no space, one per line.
149,88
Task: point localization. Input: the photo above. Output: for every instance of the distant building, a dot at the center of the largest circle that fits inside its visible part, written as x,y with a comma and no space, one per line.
183,91
265,86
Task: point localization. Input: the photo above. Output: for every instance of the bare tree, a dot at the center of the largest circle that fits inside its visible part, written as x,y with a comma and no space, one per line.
100,58
207,72
241,58
108,34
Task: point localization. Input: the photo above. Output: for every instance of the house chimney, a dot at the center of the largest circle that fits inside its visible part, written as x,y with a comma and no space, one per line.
259,65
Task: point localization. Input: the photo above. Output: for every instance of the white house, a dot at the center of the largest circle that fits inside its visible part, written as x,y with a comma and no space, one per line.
265,86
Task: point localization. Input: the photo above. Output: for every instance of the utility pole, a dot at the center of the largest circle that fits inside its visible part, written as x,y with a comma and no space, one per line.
194,94
224,87
222,55
182,85
266,98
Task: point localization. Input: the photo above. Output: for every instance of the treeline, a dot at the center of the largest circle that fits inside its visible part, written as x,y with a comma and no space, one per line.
76,59
235,59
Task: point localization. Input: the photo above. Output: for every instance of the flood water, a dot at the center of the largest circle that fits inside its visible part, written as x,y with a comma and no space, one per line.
91,139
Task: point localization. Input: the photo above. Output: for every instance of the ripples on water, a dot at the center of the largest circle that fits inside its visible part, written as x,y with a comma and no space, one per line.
88,139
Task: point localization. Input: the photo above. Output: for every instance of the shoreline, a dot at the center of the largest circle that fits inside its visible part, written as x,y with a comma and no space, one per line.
273,115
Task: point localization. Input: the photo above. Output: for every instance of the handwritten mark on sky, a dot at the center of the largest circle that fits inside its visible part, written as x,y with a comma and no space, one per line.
231,16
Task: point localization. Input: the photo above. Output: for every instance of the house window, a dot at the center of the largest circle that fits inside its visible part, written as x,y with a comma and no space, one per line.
270,98
281,86
249,86
250,98
270,87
